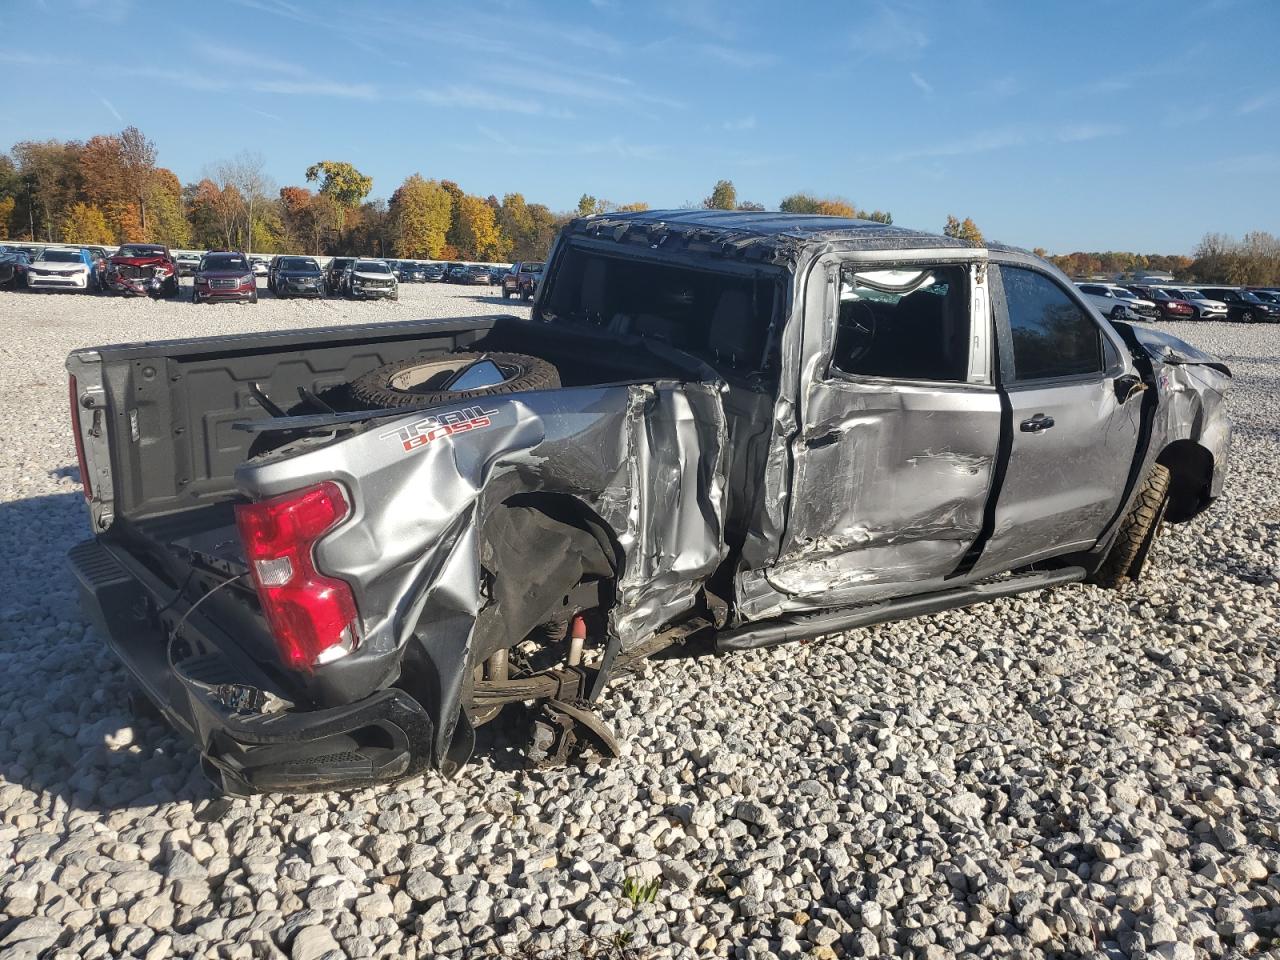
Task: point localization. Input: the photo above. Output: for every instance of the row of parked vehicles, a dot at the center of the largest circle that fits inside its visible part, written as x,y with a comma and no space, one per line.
1146,301
154,270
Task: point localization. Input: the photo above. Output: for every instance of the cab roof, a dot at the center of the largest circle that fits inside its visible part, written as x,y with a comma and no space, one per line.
761,235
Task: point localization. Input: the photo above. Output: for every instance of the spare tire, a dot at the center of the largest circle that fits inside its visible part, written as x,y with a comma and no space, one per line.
418,381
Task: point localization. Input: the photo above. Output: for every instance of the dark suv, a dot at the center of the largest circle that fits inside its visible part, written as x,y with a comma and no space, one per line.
1244,304
335,274
296,277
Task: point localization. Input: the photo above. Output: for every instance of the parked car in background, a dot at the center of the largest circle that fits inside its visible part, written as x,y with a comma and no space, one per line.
1205,309
335,275
433,272
99,255
411,272
62,268
187,263
13,268
297,277
1266,294
224,275
1170,307
1243,304
521,280
476,274
456,273
260,266
372,279
143,269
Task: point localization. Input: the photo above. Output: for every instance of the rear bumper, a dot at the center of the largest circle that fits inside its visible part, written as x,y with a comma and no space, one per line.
382,738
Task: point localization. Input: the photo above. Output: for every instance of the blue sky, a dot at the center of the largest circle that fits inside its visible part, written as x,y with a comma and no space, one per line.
1089,125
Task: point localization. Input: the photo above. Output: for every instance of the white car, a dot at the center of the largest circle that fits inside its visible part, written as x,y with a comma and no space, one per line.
1205,308
61,268
1117,303
372,279
260,267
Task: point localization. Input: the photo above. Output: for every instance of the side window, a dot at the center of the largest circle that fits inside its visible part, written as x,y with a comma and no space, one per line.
1052,336
906,324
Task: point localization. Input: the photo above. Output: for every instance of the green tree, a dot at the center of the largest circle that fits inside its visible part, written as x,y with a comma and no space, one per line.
724,196
420,217
83,223
342,183
51,182
752,206
964,229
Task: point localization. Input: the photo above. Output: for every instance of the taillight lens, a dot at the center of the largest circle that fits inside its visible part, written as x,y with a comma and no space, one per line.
313,617
85,482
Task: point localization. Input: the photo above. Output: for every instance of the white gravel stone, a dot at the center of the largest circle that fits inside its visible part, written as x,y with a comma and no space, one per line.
1082,769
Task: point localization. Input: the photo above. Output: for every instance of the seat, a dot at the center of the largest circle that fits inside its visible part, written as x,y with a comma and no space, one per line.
732,336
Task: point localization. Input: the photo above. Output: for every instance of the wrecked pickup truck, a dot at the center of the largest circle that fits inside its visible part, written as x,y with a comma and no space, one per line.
329,555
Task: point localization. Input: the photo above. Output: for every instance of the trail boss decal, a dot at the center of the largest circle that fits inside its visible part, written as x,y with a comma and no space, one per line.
439,425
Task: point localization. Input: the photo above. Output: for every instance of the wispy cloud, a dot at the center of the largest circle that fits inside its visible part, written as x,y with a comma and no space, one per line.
111,108
982,142
615,146
1080,132
477,98
922,83
736,56
245,60
264,113
180,78
30,59
890,32
1261,101
742,123
317,88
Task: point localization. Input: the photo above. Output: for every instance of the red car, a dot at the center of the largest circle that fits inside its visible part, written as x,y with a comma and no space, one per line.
142,269
1170,308
224,275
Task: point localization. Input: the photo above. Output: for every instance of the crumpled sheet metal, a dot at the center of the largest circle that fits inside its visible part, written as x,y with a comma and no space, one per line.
648,460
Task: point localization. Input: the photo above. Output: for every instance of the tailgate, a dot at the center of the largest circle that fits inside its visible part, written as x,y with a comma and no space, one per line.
154,421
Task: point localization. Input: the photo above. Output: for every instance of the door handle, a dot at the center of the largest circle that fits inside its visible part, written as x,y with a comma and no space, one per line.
1037,424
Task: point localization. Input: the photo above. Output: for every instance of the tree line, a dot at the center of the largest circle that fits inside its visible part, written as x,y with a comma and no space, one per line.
109,189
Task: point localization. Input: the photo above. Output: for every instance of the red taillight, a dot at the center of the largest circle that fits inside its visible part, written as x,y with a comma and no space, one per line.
313,617
85,482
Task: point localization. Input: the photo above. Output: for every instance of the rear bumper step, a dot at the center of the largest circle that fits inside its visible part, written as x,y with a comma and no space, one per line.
386,736
807,626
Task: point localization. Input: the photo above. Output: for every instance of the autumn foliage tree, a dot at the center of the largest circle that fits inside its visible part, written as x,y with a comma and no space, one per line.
724,196
476,230
84,223
343,184
420,218
964,229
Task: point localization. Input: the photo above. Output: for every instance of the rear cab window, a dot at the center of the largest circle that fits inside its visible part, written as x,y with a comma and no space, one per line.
722,314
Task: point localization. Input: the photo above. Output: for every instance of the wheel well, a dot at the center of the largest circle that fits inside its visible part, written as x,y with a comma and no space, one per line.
1190,475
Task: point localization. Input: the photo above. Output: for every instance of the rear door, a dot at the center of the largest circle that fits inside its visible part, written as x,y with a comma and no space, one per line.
1075,419
900,428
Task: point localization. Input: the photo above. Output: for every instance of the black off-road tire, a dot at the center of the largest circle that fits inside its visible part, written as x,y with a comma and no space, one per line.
1128,554
409,383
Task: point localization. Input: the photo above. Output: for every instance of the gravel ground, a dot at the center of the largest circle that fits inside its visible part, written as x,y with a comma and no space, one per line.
1075,772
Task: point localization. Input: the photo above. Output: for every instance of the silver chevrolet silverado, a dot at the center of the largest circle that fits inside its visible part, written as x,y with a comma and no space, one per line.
328,556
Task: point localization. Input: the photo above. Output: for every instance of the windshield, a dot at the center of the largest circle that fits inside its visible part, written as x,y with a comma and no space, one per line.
371,266
1194,295
224,261
139,250
1246,295
299,263
1122,293
531,267
62,256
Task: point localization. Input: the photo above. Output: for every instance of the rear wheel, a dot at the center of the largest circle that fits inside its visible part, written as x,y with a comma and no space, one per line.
419,381
1128,554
